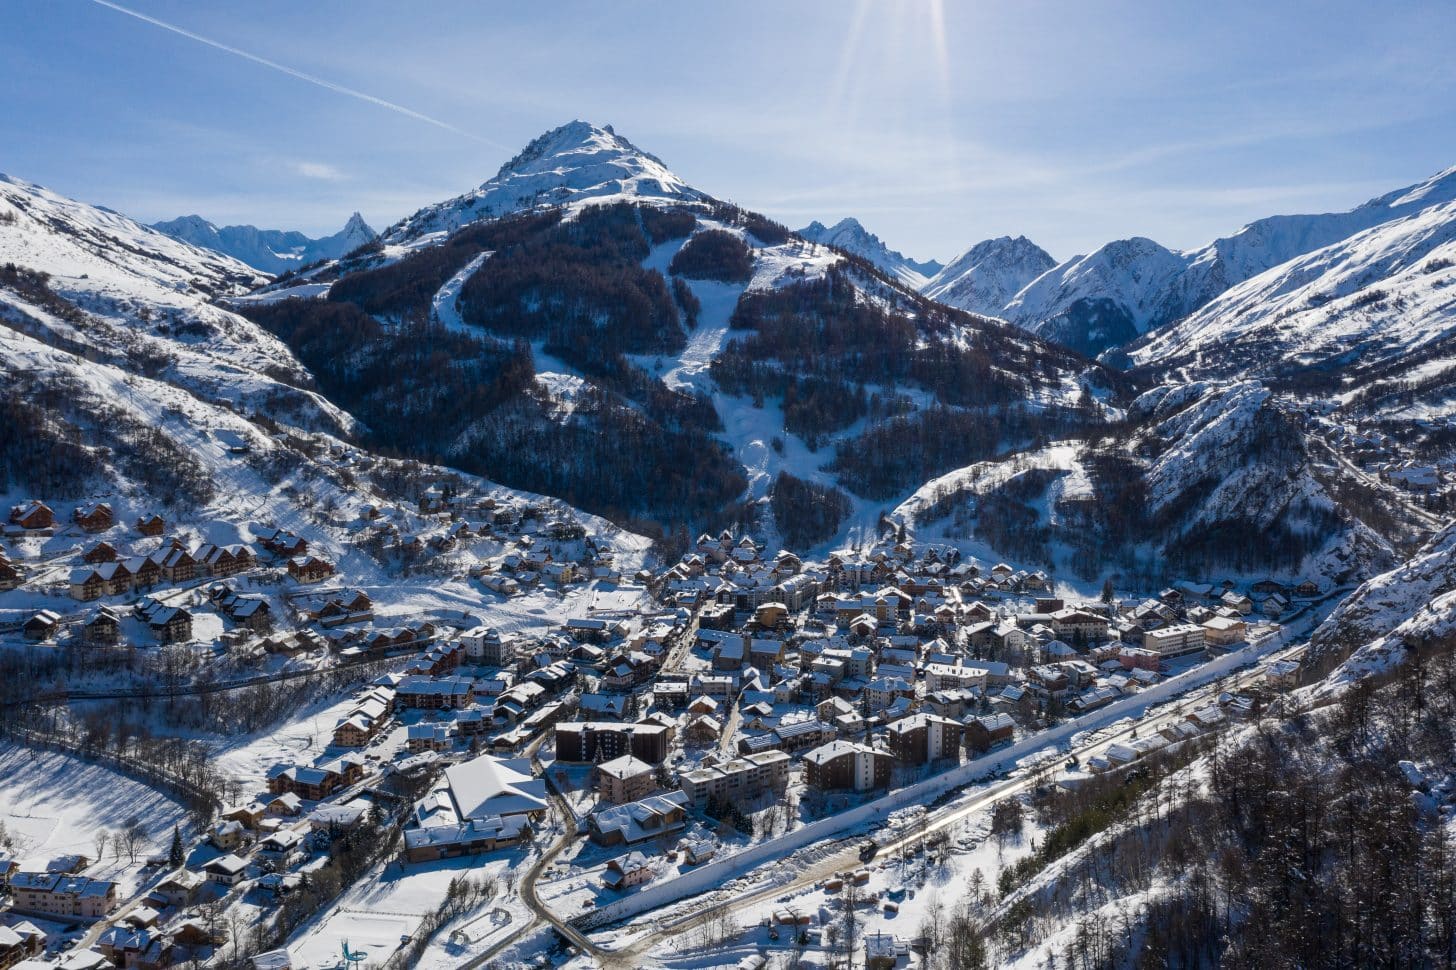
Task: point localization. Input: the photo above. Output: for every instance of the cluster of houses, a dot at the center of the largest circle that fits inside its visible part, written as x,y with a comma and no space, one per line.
748,679
106,572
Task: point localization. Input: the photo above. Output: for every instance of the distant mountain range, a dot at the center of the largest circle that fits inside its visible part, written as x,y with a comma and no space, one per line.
270,250
850,236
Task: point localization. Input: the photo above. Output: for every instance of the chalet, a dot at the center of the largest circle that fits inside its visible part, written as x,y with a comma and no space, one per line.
1224,631
249,815
226,870
1282,674
983,732
250,612
150,525
315,782
179,890
363,724
89,583
226,835
11,575
649,818
223,561
1307,589
633,869
145,573
1238,601
703,729
103,551
285,545
32,516
353,607
169,624
176,563
17,948
42,625
102,629
93,517
280,847
309,569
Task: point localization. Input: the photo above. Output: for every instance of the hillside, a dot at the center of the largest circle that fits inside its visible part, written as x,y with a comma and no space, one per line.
1380,296
93,283
617,308
123,384
1198,480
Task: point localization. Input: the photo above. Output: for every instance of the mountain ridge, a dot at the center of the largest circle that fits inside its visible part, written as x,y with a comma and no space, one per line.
270,250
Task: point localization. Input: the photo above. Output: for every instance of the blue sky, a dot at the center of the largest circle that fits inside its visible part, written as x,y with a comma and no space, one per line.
936,124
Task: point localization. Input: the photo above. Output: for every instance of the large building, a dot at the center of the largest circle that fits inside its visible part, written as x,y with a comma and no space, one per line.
740,779
625,779
58,894
846,765
922,738
1176,640
489,646
585,742
479,806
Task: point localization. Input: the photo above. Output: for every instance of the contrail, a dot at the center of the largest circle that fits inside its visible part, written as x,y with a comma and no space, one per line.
292,72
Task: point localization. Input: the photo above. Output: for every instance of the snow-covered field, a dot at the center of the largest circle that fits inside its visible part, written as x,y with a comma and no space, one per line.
53,804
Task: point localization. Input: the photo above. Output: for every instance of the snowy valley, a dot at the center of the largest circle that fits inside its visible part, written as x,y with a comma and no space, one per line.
588,571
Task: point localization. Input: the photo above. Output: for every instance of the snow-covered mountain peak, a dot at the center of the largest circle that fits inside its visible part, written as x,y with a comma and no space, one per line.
985,277
575,163
1101,299
850,235
575,138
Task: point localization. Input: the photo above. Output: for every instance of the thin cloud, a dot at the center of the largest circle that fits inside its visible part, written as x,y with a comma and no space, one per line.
318,170
300,75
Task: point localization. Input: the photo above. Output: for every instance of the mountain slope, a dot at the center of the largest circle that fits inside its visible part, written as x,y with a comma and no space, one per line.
852,237
94,283
1382,295
1201,479
986,277
270,250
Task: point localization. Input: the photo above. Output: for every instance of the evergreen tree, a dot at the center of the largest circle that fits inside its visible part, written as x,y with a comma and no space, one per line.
177,854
